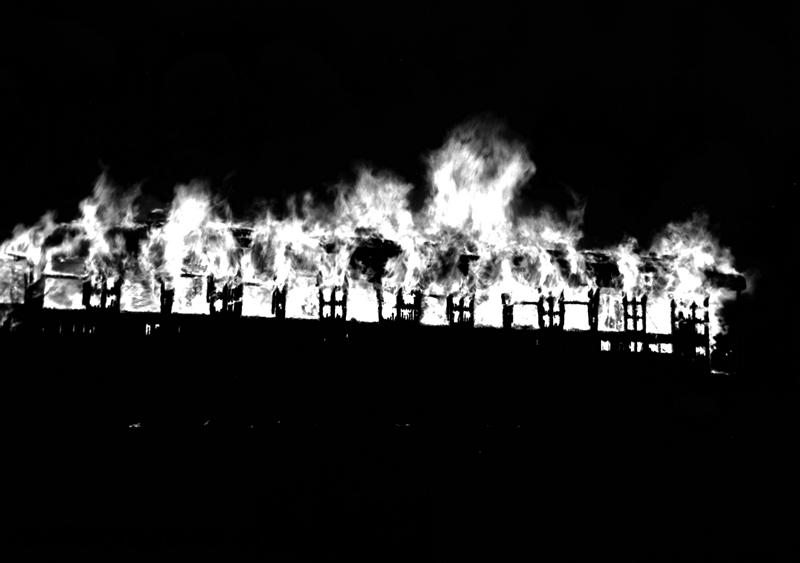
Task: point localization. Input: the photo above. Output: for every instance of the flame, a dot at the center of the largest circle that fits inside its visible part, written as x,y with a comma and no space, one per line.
466,241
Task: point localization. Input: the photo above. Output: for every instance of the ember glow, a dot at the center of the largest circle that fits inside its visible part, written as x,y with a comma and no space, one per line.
466,241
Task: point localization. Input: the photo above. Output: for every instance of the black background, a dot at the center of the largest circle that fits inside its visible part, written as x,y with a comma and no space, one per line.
648,113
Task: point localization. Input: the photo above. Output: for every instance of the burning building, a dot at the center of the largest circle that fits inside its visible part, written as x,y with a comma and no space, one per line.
465,259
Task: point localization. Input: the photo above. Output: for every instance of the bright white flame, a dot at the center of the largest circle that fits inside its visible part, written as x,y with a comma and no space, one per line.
466,240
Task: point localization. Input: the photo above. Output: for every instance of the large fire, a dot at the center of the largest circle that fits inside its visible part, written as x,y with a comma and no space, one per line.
465,241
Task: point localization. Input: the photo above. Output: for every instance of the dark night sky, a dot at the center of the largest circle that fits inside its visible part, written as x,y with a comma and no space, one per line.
649,113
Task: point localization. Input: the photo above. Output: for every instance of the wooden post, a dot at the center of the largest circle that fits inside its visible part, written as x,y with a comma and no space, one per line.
279,302
211,294
673,319
508,310
321,296
344,297
117,293
643,301
167,299
540,311
87,294
103,292
707,330
398,306
449,309
625,312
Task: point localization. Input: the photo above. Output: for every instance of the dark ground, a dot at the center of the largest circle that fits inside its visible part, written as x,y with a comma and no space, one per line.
272,450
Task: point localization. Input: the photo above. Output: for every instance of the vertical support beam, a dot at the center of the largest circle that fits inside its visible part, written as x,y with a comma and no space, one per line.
508,310
399,305
707,330
449,309
594,309
344,297
87,294
211,294
103,292
279,302
673,318
237,292
321,296
167,299
540,311
643,301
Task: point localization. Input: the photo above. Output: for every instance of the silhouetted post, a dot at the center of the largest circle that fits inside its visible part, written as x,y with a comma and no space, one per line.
594,309
540,311
399,305
211,294
34,292
673,318
226,298
706,330
625,312
417,306
449,309
680,342
472,310
238,297
279,302
103,292
87,294
321,296
117,293
508,310
643,301
643,317
167,298
344,297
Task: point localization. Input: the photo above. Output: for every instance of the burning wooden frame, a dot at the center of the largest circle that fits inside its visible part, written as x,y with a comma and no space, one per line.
333,308
689,336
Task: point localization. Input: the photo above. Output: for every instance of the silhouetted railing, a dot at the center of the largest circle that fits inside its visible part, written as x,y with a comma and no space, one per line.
335,307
